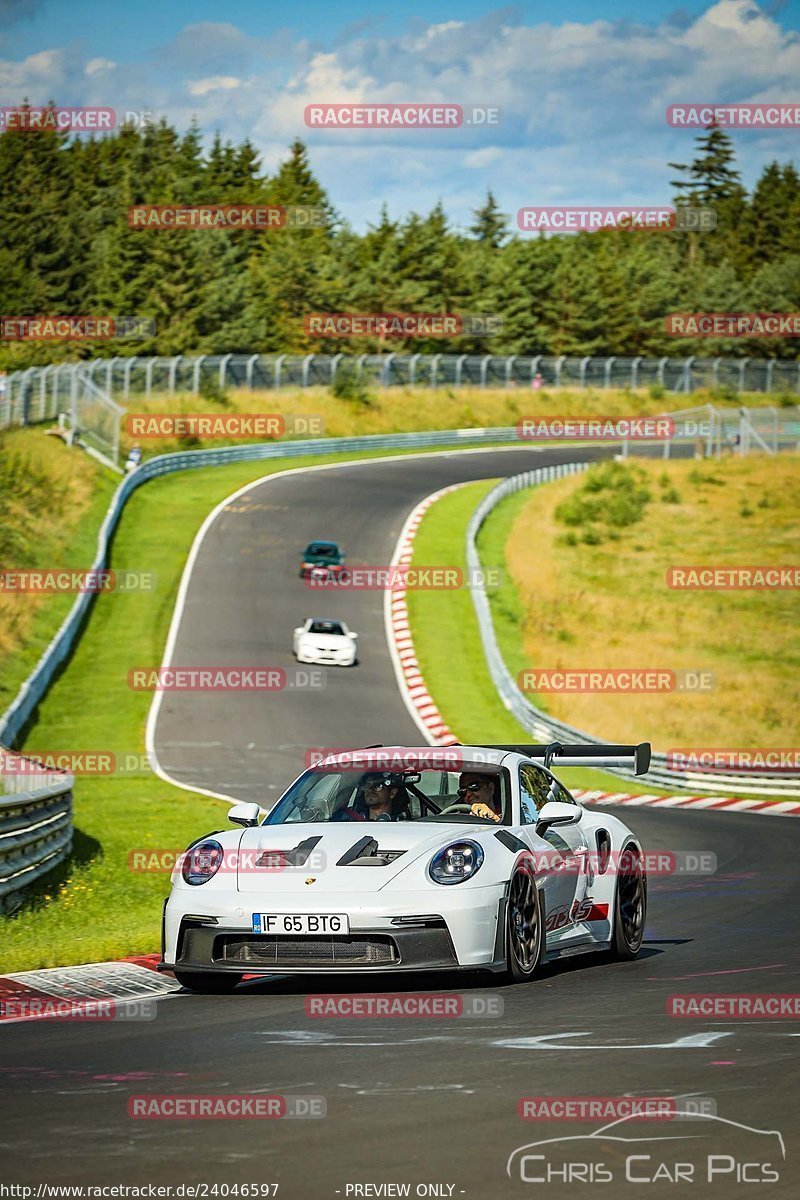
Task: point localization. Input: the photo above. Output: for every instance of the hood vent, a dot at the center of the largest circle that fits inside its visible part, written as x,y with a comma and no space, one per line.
297,857
365,853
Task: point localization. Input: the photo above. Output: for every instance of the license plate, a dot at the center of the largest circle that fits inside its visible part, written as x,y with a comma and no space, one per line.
301,923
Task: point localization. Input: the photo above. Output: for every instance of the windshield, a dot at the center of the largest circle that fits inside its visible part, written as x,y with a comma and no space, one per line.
325,548
333,793
332,628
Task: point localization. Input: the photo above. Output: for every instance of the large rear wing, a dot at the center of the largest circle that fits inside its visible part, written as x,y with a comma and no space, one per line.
636,758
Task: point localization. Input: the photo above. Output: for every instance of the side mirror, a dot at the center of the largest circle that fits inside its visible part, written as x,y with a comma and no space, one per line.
354,636
556,812
244,814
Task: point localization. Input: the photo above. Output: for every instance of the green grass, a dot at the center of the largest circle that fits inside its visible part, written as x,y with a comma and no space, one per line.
454,666
55,526
93,907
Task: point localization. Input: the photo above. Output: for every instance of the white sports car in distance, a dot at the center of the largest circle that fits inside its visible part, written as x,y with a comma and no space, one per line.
397,859
324,641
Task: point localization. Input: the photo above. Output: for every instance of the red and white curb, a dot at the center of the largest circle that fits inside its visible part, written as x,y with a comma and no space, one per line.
770,808
412,686
104,991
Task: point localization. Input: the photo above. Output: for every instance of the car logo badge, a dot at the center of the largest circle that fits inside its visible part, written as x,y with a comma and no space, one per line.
312,879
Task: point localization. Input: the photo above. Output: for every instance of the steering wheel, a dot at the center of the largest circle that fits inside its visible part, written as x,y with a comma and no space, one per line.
459,808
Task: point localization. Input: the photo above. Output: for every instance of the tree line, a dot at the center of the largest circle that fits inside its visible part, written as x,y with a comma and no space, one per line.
66,248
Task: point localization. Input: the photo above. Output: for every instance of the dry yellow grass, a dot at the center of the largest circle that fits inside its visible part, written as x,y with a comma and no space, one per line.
608,606
398,409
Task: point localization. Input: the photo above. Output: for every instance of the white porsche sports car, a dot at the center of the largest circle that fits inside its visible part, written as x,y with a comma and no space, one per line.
396,859
319,640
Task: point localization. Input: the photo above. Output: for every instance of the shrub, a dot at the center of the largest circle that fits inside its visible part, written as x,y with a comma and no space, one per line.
211,392
351,386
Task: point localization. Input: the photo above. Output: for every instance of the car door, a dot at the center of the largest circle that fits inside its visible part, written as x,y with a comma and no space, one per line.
559,849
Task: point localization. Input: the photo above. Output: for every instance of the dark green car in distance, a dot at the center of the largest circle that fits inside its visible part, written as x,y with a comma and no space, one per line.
322,555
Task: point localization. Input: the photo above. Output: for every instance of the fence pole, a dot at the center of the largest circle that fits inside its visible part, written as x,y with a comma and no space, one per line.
509,368
173,370
584,364
607,369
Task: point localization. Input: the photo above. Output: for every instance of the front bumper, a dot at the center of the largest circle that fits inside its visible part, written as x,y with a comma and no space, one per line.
391,933
325,658
204,948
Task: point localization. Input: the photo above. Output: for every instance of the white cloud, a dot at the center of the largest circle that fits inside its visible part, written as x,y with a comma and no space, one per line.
99,64
216,83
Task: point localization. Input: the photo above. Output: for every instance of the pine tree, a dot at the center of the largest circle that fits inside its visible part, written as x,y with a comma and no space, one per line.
489,226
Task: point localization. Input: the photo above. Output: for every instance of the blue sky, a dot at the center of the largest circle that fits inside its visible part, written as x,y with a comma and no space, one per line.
582,86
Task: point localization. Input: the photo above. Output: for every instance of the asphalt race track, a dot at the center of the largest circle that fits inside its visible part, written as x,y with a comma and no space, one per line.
412,1102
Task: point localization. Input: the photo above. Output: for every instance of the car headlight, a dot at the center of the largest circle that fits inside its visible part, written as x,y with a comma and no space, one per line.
201,862
456,862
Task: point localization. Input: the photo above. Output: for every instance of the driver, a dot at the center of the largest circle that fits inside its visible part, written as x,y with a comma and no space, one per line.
482,793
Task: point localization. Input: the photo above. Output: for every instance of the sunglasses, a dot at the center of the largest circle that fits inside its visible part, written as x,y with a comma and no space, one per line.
471,787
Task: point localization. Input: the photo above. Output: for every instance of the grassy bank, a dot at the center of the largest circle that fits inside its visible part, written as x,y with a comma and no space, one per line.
587,560
52,501
405,410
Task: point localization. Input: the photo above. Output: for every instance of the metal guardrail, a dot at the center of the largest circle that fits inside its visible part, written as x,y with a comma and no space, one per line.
40,393
541,725
35,828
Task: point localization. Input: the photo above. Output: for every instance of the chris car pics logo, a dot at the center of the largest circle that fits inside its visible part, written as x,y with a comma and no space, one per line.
706,1149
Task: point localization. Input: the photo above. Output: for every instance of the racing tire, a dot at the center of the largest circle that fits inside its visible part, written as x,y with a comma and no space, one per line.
630,906
525,933
208,982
